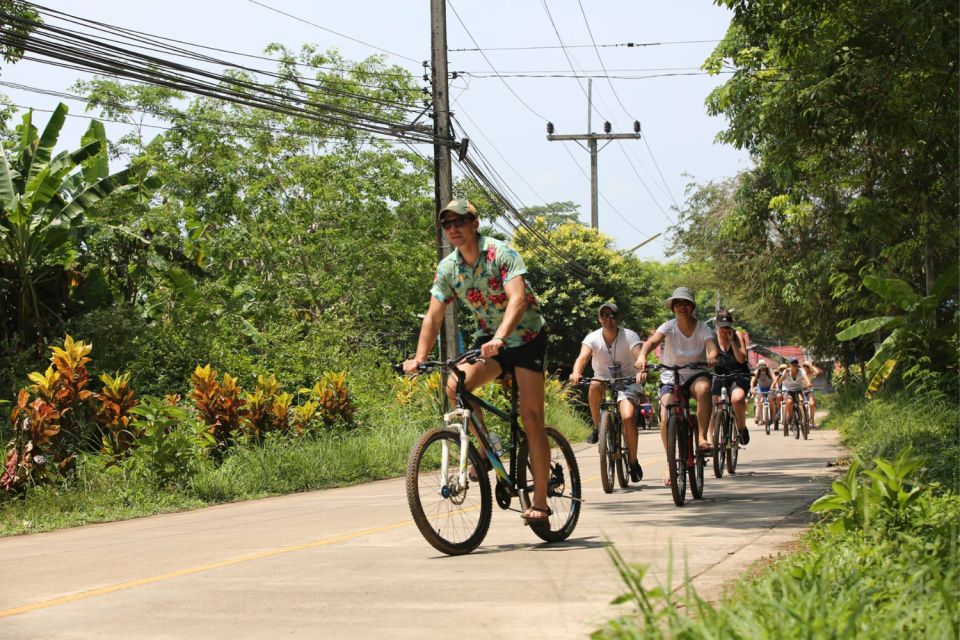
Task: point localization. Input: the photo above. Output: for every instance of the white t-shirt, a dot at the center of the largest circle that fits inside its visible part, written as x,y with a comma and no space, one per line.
619,352
790,383
678,349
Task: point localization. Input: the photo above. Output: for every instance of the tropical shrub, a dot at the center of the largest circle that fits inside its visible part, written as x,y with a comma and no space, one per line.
219,405
116,400
170,444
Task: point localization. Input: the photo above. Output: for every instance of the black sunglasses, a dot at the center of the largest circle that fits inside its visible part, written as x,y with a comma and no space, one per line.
608,315
455,222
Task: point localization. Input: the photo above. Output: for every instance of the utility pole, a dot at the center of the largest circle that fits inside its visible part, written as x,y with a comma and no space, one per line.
442,170
592,139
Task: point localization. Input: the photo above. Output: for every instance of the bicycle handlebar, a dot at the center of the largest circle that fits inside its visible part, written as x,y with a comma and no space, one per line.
470,357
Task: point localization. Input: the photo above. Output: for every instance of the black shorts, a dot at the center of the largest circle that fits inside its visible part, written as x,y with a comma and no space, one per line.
531,355
730,384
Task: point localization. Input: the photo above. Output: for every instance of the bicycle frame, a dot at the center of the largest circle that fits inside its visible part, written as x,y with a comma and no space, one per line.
463,416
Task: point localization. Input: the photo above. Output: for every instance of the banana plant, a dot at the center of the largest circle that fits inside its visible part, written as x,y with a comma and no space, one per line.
915,322
45,200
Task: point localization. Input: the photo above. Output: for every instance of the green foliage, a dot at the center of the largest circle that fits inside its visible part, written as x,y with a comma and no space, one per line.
915,336
171,446
851,113
570,305
894,574
45,201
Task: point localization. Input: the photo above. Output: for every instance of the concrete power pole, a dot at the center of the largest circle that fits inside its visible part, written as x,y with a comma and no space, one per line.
442,169
592,139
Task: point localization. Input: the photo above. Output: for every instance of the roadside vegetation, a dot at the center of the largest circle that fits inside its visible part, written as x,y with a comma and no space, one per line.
881,563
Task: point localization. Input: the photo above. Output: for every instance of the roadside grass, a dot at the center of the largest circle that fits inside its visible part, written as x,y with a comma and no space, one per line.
882,563
375,450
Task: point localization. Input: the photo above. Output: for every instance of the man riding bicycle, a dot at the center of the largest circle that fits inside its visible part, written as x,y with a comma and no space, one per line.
686,340
612,350
486,275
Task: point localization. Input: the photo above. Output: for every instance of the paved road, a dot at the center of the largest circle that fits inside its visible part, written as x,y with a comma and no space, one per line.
349,562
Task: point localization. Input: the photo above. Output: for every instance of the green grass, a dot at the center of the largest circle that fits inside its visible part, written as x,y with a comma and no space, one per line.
377,449
897,576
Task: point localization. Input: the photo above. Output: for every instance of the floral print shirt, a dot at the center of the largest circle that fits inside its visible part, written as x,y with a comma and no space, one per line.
480,287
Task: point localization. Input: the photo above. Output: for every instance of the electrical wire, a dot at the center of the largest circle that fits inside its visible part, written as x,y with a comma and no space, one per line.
496,73
585,46
91,54
625,110
337,33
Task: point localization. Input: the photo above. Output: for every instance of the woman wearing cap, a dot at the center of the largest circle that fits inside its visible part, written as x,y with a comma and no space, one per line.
761,382
732,359
486,276
812,372
687,340
611,351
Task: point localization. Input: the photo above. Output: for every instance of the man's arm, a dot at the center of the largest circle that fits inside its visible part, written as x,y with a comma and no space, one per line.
429,330
580,364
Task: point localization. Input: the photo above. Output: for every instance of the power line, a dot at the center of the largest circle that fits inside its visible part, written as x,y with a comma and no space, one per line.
342,35
585,46
581,76
622,106
509,88
93,55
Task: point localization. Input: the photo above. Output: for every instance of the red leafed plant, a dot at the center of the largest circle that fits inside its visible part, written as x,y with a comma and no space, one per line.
113,415
36,449
219,404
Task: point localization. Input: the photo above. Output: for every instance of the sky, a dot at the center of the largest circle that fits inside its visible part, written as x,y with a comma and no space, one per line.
640,182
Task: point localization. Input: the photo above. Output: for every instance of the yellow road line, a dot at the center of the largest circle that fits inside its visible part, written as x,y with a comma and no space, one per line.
6,613
83,595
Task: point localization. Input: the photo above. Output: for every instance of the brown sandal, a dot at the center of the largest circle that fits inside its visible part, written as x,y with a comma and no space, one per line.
529,518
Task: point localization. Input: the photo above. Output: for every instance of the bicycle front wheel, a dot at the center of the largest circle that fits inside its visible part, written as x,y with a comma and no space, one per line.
607,449
806,422
733,450
677,459
766,418
699,462
563,489
620,460
718,443
453,517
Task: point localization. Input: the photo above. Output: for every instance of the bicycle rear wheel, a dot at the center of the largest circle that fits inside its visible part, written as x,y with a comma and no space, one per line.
452,518
607,447
677,459
563,492
718,420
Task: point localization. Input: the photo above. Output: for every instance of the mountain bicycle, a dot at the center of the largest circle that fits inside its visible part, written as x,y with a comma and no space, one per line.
684,456
448,488
611,438
726,437
798,418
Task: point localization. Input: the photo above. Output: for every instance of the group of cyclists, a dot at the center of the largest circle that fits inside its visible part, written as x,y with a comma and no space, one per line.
488,277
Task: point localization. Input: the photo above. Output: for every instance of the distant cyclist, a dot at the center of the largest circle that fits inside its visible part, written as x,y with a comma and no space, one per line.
686,340
792,381
612,351
812,372
760,383
732,359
